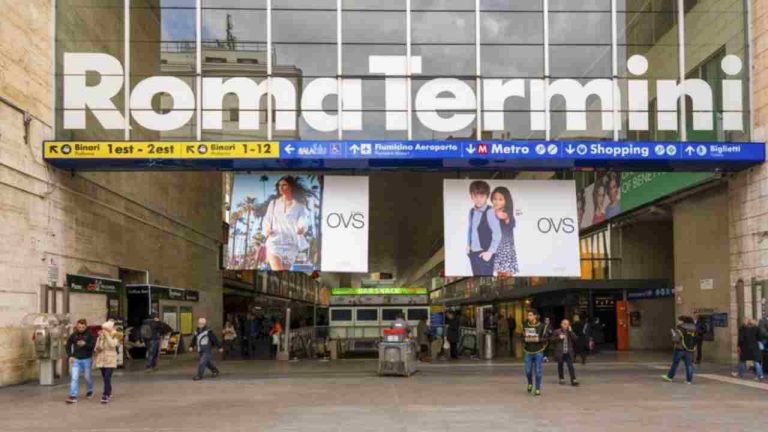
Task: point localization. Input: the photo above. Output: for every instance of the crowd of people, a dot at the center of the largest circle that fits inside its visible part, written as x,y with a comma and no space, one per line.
570,341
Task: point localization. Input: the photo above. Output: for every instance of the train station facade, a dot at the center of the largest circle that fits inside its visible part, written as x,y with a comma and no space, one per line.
655,110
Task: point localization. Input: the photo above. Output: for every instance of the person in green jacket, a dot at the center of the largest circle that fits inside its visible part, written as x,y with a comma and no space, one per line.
536,335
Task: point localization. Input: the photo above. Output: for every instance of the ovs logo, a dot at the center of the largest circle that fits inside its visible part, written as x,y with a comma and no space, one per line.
354,220
548,225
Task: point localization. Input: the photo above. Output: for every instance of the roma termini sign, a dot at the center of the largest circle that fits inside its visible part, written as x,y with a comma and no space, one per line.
441,104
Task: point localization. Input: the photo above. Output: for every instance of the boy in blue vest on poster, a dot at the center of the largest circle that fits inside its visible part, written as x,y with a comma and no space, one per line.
484,231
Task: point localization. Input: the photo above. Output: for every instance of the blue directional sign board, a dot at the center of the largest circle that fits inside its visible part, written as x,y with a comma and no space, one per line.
462,154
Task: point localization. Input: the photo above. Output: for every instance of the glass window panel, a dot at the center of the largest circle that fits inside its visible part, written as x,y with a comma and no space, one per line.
580,28
511,5
308,131
443,27
443,5
374,93
164,104
373,4
646,5
373,27
235,4
304,4
446,60
230,130
422,132
83,27
303,26
511,28
580,61
356,58
516,125
417,314
391,314
341,314
367,315
230,27
581,5
715,50
306,59
512,60
375,125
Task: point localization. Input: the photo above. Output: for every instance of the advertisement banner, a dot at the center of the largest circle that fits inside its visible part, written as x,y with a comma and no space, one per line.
614,193
345,224
510,228
274,222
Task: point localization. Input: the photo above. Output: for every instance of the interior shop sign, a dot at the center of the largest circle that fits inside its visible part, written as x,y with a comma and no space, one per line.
441,104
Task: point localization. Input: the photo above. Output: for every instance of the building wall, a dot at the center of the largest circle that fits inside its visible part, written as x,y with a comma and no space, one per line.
748,191
646,250
701,239
657,316
168,224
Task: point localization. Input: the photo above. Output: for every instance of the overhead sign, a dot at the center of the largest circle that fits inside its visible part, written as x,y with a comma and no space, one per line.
161,150
275,155
377,291
92,284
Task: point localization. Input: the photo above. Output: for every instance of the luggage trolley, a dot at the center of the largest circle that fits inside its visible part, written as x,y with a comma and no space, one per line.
397,354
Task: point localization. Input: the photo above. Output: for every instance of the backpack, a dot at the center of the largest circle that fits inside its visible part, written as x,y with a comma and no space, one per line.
146,331
687,338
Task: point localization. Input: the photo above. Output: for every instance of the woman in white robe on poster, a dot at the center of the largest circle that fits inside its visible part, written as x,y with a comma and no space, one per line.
285,224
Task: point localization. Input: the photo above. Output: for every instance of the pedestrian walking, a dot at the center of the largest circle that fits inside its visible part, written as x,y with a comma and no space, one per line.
275,333
564,345
422,337
204,341
535,334
229,335
762,327
749,349
683,337
79,348
453,333
581,329
701,330
105,357
152,329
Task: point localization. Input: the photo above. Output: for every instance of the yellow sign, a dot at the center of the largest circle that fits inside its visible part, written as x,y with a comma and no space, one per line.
161,149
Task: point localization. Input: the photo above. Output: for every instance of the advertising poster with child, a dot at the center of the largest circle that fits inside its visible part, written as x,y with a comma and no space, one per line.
510,228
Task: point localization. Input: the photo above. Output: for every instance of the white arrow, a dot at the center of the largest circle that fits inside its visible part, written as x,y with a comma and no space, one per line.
689,150
289,148
471,149
570,149
354,148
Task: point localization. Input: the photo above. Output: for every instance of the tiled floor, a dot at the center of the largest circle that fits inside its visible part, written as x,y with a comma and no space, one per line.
617,393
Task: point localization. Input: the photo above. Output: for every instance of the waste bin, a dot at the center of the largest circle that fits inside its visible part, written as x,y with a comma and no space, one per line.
488,346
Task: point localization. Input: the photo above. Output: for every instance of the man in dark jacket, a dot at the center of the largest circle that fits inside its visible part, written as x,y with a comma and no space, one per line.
683,337
762,329
204,341
79,347
536,336
749,349
564,346
701,330
152,329
454,325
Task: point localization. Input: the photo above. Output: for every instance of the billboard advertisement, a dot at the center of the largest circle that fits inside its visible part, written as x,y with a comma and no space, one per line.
274,222
345,224
614,193
510,228
298,222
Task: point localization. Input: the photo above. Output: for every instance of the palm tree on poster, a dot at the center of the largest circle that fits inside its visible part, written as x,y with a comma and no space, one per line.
234,220
247,206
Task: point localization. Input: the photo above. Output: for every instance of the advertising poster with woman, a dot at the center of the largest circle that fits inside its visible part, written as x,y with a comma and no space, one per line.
274,222
510,228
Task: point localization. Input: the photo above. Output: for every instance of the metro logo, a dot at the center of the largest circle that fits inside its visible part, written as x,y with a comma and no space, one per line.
482,149
440,104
